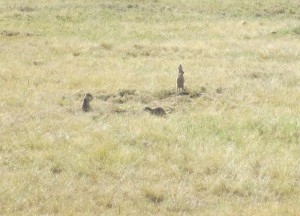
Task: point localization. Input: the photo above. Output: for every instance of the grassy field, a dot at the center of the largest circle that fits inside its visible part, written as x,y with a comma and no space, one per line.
232,147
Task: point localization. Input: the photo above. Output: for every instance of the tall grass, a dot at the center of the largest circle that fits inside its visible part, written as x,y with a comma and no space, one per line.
231,149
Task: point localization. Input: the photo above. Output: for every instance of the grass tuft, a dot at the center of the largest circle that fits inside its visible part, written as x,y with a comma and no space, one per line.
154,195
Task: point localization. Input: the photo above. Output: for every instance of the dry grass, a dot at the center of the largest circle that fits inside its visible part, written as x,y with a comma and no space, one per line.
229,148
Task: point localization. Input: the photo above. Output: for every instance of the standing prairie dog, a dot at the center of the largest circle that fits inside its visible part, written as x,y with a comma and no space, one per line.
86,103
180,79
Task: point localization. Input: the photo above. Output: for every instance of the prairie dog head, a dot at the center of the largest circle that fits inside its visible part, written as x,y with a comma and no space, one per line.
89,97
180,69
147,109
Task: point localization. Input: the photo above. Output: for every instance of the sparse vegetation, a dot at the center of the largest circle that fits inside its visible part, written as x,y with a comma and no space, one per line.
230,146
124,92
165,93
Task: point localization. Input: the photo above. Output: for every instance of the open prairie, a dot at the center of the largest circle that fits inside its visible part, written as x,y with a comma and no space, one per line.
229,147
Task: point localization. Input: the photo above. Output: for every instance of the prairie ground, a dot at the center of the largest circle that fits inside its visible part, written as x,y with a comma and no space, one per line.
231,147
